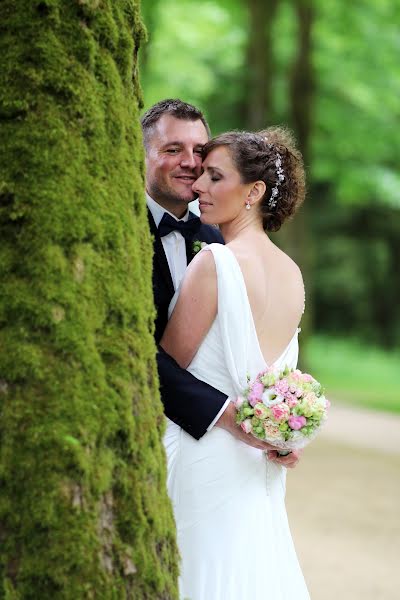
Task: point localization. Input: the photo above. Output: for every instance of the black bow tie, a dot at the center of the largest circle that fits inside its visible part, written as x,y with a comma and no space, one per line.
186,228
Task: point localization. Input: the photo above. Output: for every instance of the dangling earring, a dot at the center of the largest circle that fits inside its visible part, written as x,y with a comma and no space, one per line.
248,207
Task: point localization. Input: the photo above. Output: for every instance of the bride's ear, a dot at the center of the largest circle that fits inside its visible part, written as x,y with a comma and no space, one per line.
256,192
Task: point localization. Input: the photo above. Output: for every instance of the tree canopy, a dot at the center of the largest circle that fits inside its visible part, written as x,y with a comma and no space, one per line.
206,54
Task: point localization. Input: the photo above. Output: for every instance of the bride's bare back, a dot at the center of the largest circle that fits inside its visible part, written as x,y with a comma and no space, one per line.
275,290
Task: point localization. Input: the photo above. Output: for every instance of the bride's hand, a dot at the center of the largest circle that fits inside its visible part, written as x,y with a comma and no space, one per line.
227,421
289,461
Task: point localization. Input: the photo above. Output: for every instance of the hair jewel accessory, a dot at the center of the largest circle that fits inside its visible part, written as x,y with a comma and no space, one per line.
272,202
280,176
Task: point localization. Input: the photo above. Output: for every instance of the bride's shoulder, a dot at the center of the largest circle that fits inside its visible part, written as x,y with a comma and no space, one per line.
202,270
291,278
293,269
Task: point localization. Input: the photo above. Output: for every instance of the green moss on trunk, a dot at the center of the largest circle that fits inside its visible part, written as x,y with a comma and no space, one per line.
83,505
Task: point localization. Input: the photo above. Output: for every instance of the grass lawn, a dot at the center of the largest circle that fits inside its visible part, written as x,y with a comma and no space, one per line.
354,373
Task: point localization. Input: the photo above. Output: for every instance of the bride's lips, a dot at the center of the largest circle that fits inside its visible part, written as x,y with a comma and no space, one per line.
203,204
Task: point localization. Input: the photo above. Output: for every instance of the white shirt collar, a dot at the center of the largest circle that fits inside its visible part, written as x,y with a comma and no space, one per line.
157,211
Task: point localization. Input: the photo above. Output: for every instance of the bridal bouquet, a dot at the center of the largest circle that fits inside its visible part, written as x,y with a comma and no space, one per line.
284,408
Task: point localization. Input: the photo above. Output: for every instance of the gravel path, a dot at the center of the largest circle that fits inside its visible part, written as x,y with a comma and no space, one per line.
364,429
343,502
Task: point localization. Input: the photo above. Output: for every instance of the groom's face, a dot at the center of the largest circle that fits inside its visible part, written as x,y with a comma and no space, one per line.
173,161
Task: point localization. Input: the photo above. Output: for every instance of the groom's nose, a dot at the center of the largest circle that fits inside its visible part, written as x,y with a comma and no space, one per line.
188,160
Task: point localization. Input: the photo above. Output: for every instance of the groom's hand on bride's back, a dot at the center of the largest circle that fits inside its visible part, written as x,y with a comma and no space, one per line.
228,421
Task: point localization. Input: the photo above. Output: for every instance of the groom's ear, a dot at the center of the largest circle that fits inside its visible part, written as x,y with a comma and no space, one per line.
256,192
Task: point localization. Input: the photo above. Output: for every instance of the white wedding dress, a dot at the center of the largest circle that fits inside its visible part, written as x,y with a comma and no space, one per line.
228,499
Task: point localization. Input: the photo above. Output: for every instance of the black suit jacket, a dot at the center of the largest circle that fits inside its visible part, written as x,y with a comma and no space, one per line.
190,403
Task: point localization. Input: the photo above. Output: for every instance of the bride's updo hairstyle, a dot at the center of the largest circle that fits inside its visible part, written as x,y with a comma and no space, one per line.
271,156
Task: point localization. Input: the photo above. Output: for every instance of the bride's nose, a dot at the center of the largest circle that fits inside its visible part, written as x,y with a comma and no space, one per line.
197,186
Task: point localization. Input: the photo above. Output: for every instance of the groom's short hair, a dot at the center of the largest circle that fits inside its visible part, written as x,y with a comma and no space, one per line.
174,107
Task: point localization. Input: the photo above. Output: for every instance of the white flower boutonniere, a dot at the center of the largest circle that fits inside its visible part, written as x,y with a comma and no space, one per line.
198,245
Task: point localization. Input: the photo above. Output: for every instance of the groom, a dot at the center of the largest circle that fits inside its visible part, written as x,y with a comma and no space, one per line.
174,134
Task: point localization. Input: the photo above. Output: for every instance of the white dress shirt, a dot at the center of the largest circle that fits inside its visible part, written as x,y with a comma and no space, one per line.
175,251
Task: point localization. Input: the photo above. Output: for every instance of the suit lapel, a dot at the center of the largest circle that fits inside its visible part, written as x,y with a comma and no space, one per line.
189,250
189,243
159,254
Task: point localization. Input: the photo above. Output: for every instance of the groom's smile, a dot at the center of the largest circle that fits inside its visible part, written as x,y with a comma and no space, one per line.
189,179
173,162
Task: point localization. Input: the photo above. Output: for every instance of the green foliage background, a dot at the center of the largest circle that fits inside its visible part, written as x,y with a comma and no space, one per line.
200,52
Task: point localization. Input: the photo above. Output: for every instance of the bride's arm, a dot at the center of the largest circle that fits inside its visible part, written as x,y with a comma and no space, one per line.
190,321
194,311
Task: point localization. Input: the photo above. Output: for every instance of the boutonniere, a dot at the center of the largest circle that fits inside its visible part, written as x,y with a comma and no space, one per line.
198,245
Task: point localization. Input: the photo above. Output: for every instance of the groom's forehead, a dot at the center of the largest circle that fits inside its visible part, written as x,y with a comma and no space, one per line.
169,129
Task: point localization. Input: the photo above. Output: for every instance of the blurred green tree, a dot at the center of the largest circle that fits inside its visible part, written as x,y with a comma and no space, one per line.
355,177
260,64
332,74
262,108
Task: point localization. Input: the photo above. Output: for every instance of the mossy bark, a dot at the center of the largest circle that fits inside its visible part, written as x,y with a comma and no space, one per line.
83,505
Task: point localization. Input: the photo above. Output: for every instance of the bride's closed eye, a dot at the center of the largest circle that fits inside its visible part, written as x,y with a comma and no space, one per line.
214,174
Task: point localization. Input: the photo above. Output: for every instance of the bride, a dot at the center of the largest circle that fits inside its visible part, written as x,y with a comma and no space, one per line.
237,311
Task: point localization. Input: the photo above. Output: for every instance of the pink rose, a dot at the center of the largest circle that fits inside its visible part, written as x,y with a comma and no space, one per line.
297,423
262,373
280,412
291,400
272,431
307,378
281,387
261,411
310,398
246,425
256,393
238,402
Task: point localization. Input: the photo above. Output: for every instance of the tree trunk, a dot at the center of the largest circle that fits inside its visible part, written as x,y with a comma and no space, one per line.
260,64
296,236
83,506
302,77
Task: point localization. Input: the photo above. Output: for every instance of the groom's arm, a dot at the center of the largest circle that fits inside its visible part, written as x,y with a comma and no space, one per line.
190,403
196,407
